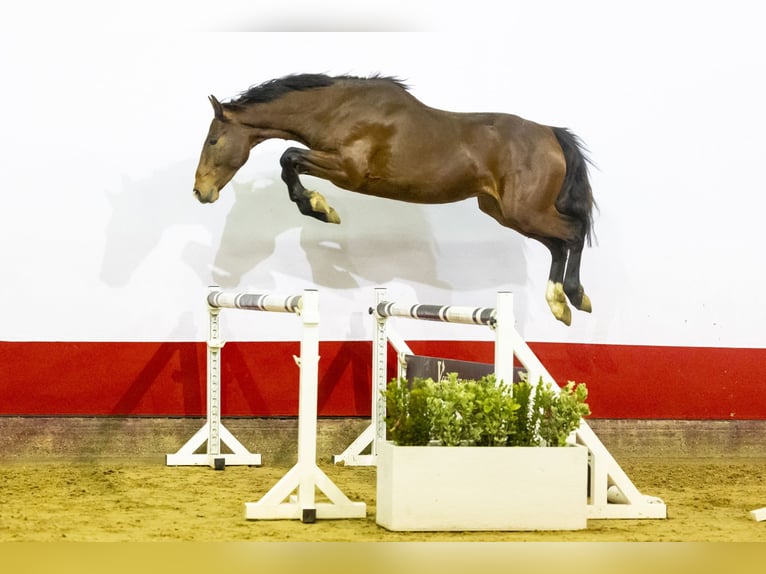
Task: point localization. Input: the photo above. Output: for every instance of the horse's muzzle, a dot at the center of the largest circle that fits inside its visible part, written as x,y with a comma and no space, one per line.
205,198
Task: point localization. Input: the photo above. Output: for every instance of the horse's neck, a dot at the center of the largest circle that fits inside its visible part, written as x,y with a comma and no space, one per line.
294,117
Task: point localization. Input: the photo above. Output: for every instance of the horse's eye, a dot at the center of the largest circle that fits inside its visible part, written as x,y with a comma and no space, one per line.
213,141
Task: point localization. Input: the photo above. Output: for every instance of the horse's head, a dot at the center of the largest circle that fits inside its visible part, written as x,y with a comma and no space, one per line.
226,149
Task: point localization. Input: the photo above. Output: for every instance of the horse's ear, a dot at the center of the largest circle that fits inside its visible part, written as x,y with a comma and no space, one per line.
217,107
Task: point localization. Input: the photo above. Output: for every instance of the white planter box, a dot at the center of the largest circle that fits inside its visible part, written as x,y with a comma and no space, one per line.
481,488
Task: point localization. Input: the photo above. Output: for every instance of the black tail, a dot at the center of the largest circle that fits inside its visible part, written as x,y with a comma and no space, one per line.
576,196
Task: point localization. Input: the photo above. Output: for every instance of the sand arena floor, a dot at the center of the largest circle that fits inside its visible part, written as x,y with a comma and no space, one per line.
708,500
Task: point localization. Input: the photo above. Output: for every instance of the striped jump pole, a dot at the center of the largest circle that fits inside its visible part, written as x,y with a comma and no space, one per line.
253,301
444,313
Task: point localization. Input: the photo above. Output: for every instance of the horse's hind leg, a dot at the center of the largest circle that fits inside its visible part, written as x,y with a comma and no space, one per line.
555,290
572,286
564,279
311,203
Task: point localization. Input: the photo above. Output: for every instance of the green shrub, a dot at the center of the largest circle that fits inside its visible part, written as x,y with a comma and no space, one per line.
482,412
407,418
558,414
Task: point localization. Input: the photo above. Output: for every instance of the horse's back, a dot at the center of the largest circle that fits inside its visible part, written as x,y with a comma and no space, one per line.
384,103
400,148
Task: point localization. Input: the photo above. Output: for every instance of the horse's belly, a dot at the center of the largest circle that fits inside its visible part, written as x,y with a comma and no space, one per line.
413,191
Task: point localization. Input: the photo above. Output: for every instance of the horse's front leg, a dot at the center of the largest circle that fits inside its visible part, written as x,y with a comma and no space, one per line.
312,203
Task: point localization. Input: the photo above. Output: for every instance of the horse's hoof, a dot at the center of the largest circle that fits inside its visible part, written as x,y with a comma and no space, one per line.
585,304
564,315
332,216
554,295
322,209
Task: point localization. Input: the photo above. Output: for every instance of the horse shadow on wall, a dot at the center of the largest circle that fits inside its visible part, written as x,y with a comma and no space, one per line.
378,240
142,212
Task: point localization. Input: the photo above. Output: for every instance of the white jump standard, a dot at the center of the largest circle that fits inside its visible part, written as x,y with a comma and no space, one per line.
611,492
213,431
305,476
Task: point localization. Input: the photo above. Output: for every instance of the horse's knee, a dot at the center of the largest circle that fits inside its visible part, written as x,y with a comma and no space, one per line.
289,162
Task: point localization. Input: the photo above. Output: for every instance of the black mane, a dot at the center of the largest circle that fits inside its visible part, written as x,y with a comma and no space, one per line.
273,89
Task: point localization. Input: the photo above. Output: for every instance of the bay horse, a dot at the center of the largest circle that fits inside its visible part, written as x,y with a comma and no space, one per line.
372,136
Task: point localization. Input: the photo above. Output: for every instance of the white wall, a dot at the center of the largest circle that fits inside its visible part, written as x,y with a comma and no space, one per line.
103,123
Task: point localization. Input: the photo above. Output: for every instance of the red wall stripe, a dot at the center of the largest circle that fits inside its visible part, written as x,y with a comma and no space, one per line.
261,379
